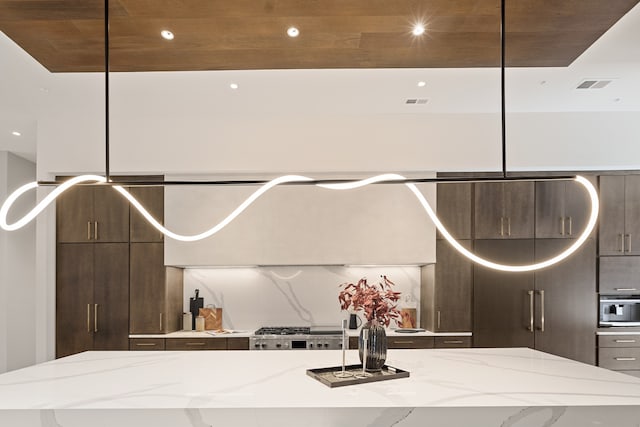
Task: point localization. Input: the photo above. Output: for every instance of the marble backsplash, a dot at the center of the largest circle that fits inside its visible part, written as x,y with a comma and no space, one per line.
289,296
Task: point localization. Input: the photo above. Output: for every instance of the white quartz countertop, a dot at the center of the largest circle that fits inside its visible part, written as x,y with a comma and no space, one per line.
194,334
241,334
278,379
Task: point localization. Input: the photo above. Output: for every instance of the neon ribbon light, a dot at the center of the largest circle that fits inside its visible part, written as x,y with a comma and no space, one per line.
297,178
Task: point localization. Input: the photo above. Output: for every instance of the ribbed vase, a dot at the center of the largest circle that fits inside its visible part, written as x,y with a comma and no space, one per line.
376,346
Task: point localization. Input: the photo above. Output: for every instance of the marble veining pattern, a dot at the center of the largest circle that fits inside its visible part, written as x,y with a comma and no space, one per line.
289,295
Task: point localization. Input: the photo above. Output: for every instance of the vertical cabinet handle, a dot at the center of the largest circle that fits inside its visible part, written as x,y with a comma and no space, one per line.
89,318
95,317
95,230
88,230
621,242
570,226
502,226
628,242
438,319
562,226
541,293
508,226
530,328
160,322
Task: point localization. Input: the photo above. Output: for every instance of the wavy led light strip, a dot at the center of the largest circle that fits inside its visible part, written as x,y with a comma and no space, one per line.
297,178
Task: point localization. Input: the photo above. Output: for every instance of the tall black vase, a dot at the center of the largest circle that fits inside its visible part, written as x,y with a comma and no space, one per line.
376,346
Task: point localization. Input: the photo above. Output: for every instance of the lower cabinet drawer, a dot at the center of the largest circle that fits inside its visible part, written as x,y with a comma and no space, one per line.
452,342
146,344
618,340
410,342
196,344
619,359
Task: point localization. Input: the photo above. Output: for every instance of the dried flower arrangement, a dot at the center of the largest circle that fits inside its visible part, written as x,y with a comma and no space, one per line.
378,301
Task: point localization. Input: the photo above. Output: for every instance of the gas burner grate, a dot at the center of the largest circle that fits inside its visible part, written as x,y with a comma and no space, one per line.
283,330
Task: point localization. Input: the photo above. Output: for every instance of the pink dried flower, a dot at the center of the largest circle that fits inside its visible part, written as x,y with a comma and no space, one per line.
378,301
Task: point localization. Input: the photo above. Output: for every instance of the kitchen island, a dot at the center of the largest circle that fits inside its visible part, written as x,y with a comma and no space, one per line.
447,387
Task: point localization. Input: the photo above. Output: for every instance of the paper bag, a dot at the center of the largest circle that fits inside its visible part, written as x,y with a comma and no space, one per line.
212,318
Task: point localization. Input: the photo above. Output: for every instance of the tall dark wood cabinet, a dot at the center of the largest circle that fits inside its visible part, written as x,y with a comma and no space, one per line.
569,306
156,291
92,297
447,302
503,302
619,232
92,214
504,210
552,310
562,209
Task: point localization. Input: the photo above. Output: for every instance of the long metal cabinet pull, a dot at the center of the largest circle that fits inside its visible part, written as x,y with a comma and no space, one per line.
562,226
530,310
438,319
625,289
88,230
502,226
95,230
161,321
625,341
621,242
95,317
508,226
541,292
628,242
570,226
89,318
625,359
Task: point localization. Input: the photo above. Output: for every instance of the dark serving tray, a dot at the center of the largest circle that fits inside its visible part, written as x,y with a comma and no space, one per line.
326,375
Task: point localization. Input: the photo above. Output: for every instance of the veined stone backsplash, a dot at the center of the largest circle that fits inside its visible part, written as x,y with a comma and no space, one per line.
290,296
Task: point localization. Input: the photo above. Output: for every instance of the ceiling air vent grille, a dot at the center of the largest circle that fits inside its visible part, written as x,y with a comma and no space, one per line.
594,84
416,101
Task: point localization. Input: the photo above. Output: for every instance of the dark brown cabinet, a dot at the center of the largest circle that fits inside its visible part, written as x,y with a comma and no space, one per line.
454,209
562,209
553,309
155,291
503,302
92,214
447,302
619,221
152,198
92,297
504,210
619,275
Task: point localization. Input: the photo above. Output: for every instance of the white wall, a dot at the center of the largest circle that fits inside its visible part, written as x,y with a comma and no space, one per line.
289,296
17,273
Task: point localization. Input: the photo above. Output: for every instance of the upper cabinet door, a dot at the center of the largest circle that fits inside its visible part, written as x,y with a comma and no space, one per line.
620,215
111,216
504,210
454,209
74,215
550,209
612,208
632,214
152,198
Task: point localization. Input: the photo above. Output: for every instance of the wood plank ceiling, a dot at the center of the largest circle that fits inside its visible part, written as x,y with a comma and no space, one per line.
68,35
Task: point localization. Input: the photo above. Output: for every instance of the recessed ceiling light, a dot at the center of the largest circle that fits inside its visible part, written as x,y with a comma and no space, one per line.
16,133
418,30
234,86
166,34
422,84
293,32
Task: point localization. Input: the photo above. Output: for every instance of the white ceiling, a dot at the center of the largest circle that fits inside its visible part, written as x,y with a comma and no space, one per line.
25,86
